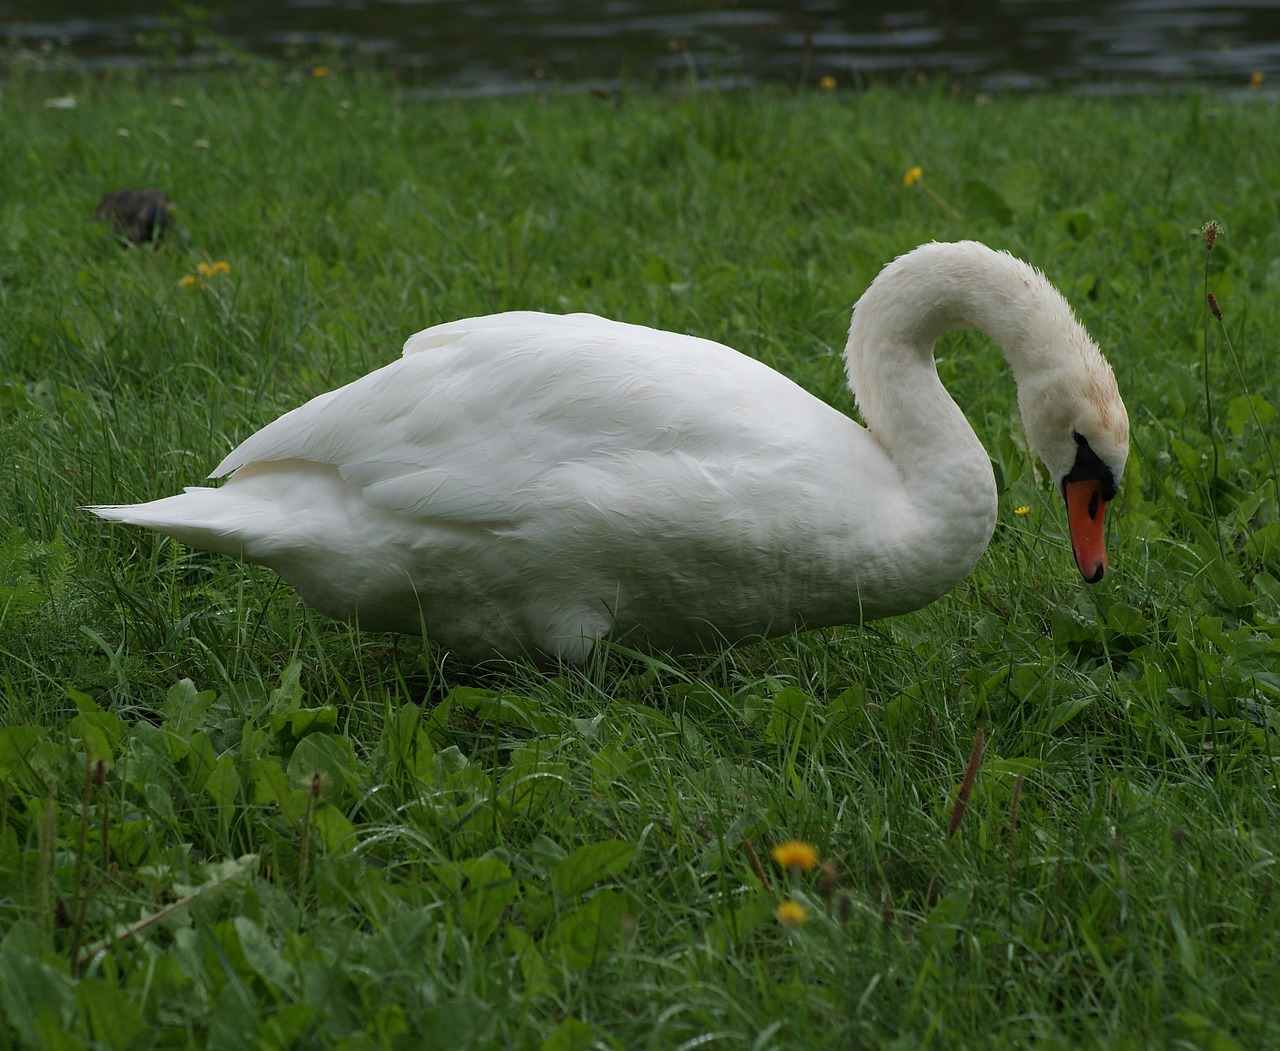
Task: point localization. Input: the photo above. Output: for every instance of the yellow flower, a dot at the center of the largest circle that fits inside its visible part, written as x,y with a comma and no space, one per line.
204,269
1255,81
913,176
827,83
187,281
1022,510
795,856
320,72
791,913
220,267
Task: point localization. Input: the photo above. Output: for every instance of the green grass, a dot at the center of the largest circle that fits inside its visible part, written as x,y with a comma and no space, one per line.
228,822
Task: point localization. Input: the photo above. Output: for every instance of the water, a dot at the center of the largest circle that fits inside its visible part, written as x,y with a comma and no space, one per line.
504,46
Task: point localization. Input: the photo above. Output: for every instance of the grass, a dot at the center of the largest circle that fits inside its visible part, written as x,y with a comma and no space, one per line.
226,822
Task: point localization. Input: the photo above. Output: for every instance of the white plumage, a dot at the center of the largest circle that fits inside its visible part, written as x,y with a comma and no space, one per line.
530,483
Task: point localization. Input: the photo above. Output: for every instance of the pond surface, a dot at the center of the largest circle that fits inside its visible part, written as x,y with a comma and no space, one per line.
512,45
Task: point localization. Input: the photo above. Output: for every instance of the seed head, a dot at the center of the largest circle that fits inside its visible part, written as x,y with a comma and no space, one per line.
828,879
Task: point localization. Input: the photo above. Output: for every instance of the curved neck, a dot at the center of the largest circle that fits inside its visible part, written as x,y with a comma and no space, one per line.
945,472
936,288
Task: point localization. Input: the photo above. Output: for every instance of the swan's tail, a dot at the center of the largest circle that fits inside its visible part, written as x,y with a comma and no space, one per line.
210,519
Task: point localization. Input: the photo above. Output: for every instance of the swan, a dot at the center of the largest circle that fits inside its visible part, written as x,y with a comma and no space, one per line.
529,484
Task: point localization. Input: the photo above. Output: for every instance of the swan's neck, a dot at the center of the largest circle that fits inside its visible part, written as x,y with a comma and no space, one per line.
945,470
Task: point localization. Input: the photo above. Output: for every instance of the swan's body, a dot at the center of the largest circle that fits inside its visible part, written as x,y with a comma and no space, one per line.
528,482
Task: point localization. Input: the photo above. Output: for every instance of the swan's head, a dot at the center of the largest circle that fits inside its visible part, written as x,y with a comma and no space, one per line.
1076,420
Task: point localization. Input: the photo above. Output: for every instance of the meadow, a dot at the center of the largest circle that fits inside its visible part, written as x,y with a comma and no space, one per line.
1043,815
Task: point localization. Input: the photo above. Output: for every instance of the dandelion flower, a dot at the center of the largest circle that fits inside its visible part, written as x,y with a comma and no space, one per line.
1256,79
827,83
795,855
187,281
204,269
791,913
320,72
913,175
220,267
1022,509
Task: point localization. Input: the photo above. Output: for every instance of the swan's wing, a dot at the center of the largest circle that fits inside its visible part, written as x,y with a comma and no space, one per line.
478,414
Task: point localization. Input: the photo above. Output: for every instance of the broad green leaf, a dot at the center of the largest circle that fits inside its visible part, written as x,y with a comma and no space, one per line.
614,764
102,732
223,786
572,1034
1244,408
1071,629
849,713
184,708
982,198
328,755
530,787
1077,223
233,1021
1205,1034
146,764
262,956
586,934
306,721
448,761
1056,717
269,780
737,925
198,759
288,1027
486,888
1000,775
589,865
112,1014
159,799
789,717
454,1023
336,831
33,994
899,711
533,967
17,743
53,1035
938,932
409,742
491,706
288,696
1021,185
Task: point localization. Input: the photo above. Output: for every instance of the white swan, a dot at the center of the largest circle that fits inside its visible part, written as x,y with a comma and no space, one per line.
528,482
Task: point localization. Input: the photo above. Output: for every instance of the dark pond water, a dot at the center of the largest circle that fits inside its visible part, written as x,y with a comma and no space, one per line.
484,46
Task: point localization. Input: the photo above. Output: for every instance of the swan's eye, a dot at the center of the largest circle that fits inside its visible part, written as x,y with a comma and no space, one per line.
1089,467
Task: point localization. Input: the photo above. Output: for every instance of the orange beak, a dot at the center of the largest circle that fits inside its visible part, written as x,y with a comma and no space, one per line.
1085,511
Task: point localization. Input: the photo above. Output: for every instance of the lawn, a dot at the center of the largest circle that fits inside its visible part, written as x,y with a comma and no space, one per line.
1045,815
